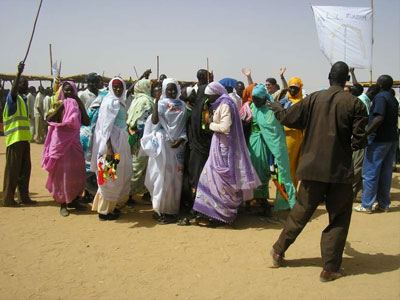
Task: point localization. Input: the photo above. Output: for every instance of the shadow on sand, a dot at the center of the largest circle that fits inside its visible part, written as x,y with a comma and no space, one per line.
359,263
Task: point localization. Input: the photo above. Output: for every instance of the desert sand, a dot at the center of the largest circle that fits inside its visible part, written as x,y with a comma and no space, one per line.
46,256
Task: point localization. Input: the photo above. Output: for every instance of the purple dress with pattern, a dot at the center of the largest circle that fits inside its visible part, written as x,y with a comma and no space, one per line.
228,176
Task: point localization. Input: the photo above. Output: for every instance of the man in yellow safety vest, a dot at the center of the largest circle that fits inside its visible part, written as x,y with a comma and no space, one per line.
17,136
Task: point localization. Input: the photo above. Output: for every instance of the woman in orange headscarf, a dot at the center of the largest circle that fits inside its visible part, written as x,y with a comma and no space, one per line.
245,111
294,137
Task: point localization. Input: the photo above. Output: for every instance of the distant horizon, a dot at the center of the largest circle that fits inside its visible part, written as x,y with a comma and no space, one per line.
94,36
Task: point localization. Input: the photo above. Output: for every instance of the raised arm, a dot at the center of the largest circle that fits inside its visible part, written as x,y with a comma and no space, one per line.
295,116
353,76
247,72
146,74
14,89
283,79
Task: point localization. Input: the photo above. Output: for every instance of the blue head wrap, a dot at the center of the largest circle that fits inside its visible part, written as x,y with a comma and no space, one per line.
228,82
260,91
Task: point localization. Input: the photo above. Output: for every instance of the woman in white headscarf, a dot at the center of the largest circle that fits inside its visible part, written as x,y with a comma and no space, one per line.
164,142
111,137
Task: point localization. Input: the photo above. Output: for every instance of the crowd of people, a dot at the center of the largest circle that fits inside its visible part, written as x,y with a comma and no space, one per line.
200,152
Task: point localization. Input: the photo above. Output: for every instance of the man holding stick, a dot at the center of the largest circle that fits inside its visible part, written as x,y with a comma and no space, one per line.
17,132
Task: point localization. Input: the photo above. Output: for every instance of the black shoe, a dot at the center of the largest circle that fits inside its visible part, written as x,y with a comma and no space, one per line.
108,217
326,276
28,202
77,205
11,203
168,219
131,202
146,198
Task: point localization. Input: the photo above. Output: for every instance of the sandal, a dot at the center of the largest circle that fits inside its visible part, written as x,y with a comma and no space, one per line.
64,211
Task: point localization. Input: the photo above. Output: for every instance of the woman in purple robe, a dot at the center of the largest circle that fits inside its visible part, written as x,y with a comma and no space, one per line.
228,177
63,154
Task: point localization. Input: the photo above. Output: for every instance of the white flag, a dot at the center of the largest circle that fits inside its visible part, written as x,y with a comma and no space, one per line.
55,69
345,33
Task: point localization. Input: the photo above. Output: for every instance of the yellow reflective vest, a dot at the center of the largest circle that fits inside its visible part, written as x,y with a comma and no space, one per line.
16,126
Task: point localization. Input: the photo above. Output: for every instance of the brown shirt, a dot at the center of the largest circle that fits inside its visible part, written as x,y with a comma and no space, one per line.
334,124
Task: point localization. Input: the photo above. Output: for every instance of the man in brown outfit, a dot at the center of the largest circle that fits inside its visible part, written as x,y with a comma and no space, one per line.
334,126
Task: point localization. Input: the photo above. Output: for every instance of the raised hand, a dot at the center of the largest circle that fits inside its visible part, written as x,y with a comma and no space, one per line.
246,72
21,67
282,71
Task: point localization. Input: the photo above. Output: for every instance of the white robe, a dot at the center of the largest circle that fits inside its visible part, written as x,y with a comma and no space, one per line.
111,124
165,166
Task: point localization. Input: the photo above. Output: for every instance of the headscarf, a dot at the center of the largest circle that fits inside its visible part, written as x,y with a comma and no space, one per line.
260,91
111,93
164,87
142,102
248,92
228,82
215,88
74,89
172,113
109,109
143,86
296,81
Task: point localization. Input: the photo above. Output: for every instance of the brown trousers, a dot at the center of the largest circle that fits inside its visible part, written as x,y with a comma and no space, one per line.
17,172
338,201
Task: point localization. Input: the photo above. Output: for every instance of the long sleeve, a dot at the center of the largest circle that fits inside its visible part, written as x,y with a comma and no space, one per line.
222,119
295,116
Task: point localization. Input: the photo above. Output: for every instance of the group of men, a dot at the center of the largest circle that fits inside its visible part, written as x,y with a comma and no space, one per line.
331,127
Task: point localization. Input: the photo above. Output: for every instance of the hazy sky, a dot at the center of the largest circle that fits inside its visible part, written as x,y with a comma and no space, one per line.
114,36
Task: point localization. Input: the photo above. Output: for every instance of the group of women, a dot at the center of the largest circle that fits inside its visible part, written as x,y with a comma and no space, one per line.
152,142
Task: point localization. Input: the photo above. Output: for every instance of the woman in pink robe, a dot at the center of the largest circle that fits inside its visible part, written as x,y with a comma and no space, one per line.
63,154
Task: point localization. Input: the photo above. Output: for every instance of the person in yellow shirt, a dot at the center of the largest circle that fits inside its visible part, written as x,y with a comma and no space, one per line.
17,136
294,137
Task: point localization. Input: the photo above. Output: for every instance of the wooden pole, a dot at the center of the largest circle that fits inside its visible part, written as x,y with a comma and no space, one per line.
208,71
59,69
158,67
51,60
372,41
33,31
137,76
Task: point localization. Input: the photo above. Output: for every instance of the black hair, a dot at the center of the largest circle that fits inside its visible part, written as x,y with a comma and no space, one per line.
201,74
229,89
385,82
239,82
271,80
339,73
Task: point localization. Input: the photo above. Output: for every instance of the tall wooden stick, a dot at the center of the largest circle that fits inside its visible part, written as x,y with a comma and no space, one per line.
372,41
51,61
208,71
158,67
137,76
33,31
59,69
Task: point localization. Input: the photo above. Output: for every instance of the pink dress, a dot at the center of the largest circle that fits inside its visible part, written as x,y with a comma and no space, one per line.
63,155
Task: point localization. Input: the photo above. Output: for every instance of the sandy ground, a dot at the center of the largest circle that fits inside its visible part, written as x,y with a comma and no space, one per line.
45,256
